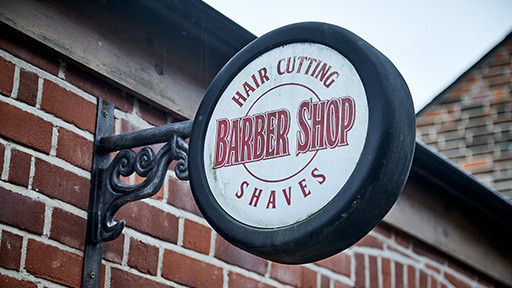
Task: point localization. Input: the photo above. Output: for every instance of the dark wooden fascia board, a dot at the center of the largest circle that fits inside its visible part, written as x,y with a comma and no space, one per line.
165,52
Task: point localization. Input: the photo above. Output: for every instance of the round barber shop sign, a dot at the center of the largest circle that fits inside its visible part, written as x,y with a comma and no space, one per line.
302,143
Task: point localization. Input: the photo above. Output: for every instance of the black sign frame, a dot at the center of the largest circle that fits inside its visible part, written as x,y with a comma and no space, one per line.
372,188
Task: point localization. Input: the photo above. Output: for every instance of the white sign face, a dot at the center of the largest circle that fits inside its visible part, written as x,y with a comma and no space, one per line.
285,135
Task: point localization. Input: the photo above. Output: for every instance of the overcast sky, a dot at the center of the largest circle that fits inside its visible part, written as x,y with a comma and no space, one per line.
431,42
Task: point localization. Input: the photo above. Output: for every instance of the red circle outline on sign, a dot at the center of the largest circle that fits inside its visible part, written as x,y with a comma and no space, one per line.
314,155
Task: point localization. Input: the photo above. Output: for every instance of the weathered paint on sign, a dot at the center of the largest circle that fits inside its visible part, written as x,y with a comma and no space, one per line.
286,135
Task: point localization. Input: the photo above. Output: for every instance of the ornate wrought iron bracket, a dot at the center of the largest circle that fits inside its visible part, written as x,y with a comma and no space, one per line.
108,193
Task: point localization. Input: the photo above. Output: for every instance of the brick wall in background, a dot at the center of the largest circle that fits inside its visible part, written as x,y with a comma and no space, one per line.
47,111
471,123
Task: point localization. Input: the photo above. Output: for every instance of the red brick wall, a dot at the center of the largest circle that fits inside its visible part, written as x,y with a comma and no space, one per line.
471,124
47,110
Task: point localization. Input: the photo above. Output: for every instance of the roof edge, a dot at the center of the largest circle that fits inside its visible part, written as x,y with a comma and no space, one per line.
201,20
464,186
463,75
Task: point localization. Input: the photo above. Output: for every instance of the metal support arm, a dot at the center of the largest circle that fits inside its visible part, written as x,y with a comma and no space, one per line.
108,193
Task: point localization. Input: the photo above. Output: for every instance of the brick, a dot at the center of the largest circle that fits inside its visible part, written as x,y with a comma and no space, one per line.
51,263
399,275
96,87
475,108
325,282
450,129
236,256
411,276
25,128
19,168
360,271
237,280
433,282
502,115
121,278
127,126
476,164
431,115
451,144
151,114
102,276
339,263
476,122
29,50
455,281
55,182
373,271
68,228
27,90
480,140
455,95
180,196
370,241
21,211
454,154
6,76
386,272
492,72
196,237
75,149
500,94
6,281
113,250
294,275
68,106
423,279
499,58
150,220
143,257
10,250
484,130
189,271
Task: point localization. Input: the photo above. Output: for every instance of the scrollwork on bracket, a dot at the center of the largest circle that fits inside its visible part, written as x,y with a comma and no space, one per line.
145,164
109,193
